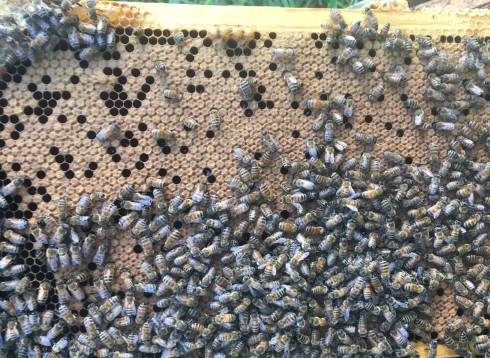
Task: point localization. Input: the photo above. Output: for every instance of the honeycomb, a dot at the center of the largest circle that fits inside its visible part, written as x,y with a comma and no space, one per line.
51,112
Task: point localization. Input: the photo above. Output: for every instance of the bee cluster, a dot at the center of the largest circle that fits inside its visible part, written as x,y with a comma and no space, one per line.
344,263
31,31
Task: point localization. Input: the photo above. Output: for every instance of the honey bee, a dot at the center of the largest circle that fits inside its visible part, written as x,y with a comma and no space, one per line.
172,95
160,68
376,93
108,133
366,139
286,54
292,82
247,88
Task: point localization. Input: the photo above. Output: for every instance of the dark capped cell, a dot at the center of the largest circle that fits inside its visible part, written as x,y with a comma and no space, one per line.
294,105
176,179
16,167
14,135
230,53
66,95
268,43
199,88
243,74
166,149
225,74
74,79
47,198
153,40
184,149
295,134
318,44
144,157
37,95
107,71
139,165
134,142
248,112
41,174
238,51
104,96
116,158
46,79
207,42
319,75
62,118
191,88
116,55
28,110
116,71
208,73
145,88
135,72
162,172
124,39
83,64
210,134
388,125
32,87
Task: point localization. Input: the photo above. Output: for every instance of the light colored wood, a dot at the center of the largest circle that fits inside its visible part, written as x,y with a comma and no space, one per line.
461,22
